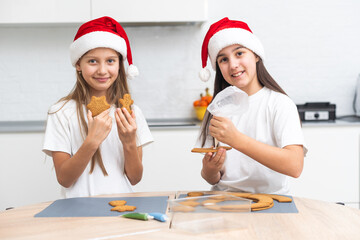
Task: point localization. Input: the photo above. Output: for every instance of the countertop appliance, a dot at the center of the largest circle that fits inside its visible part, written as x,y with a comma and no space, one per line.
317,111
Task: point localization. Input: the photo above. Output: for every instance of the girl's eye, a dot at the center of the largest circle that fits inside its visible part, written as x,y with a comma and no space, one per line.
221,60
111,60
92,61
239,53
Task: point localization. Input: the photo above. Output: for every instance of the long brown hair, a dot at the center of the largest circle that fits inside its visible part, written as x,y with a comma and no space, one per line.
220,84
81,95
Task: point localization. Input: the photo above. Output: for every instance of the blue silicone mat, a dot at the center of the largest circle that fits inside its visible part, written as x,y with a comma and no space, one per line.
277,208
99,207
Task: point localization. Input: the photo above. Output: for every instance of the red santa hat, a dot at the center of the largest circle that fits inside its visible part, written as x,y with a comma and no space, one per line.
225,33
102,32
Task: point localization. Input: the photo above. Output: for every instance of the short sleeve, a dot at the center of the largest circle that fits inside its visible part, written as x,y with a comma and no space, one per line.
57,133
143,133
287,125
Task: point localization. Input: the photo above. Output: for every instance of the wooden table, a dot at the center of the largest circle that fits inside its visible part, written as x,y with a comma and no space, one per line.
315,220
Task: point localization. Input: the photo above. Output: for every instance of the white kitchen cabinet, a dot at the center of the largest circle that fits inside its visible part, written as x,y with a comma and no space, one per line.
143,11
44,11
169,164
27,176
331,169
80,11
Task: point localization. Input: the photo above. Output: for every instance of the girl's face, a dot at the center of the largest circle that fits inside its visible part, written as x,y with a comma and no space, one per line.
100,68
238,67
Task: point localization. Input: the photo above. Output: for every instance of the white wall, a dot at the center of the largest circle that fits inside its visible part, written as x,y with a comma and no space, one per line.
312,50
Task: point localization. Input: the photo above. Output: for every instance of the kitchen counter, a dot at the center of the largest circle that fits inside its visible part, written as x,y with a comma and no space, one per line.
181,123
39,126
340,121
315,220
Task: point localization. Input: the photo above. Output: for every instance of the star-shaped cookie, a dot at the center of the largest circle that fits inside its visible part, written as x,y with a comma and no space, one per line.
97,105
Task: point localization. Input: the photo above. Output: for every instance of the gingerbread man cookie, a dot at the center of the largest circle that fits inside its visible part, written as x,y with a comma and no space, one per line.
126,102
97,105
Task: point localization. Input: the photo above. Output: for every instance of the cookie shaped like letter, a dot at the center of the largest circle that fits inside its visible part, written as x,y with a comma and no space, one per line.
126,102
97,105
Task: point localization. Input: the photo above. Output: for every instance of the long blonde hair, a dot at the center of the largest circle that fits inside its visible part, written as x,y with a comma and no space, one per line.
81,95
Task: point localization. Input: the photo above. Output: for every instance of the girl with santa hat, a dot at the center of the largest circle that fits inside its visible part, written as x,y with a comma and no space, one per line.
99,154
266,139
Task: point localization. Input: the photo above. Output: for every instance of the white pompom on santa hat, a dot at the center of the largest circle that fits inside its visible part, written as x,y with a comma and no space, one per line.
225,33
102,32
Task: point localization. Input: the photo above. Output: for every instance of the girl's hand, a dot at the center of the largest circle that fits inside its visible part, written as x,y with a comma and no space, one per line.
126,126
212,166
99,126
222,129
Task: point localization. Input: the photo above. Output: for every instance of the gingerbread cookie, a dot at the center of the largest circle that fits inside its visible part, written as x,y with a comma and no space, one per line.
258,208
183,208
219,197
120,206
124,208
240,194
262,201
228,208
261,198
126,102
117,203
190,203
206,150
97,105
195,194
278,198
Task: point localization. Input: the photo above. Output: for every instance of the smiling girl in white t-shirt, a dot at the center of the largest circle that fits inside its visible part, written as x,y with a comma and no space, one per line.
97,154
267,139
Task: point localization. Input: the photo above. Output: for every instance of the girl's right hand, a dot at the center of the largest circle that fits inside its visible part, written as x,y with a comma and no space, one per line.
212,165
99,126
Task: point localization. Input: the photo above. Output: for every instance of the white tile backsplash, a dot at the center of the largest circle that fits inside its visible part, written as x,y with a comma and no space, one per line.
312,50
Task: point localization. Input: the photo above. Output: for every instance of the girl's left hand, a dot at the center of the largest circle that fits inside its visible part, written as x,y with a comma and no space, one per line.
222,129
126,126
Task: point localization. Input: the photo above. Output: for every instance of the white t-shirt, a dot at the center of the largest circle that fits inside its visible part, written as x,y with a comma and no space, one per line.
271,118
63,134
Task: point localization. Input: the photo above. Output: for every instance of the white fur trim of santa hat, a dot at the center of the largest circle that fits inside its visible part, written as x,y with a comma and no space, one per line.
96,40
231,36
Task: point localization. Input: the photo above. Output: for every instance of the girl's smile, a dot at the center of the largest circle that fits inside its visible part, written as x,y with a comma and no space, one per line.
102,80
238,74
